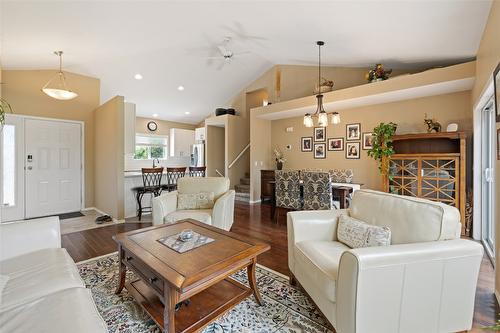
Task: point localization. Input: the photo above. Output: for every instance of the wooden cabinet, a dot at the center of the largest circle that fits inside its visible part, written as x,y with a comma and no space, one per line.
181,141
266,189
430,166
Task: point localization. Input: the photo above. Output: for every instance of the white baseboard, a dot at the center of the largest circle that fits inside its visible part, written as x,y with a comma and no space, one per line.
104,213
254,202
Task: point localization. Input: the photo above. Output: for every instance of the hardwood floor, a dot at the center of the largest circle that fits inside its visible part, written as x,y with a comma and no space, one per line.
255,221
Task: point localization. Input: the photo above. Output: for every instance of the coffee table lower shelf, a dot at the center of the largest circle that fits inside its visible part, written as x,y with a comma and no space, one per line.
204,307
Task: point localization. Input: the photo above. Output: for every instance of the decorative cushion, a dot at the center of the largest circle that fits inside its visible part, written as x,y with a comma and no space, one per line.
201,200
341,175
287,189
317,191
190,185
355,233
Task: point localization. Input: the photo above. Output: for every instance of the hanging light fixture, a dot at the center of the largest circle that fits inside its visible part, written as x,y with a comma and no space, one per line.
56,87
320,111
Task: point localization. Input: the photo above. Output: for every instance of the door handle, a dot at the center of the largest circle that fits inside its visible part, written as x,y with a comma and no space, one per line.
30,167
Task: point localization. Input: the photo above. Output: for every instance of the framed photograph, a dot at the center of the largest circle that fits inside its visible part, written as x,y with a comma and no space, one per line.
319,134
336,144
353,132
367,140
306,143
496,85
319,150
498,144
352,150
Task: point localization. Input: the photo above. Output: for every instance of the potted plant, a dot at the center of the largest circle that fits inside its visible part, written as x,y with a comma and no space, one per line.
280,159
4,108
382,148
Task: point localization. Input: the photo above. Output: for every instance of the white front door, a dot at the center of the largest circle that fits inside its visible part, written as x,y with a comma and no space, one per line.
53,163
12,166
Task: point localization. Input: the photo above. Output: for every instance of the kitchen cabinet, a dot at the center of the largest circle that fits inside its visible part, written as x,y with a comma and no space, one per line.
199,134
181,141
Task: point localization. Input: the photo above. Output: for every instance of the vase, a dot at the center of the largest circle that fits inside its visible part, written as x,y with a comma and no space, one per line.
279,165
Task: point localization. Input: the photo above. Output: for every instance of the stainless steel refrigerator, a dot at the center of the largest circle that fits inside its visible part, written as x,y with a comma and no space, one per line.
198,155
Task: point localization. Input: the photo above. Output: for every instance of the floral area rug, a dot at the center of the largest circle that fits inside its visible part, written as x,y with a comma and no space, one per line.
286,308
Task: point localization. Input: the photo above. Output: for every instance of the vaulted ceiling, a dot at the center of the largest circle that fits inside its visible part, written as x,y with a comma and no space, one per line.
174,43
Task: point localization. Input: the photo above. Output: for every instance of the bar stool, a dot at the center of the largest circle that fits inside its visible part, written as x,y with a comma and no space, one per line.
151,180
197,171
173,174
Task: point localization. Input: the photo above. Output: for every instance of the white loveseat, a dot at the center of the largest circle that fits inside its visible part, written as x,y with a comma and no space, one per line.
221,215
425,281
44,292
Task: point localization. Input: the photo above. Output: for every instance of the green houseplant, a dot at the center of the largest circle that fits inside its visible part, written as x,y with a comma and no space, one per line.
382,148
4,108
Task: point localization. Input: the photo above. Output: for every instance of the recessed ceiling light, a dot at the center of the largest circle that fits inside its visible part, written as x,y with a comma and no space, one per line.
187,112
138,76
180,88
155,115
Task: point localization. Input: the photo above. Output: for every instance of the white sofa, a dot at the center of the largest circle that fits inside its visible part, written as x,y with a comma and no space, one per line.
221,216
44,291
425,281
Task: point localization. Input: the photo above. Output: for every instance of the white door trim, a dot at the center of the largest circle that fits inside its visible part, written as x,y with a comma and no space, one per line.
477,172
82,151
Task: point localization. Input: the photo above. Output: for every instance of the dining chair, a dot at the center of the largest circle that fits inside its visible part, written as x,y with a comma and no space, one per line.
173,174
287,192
151,183
197,171
317,191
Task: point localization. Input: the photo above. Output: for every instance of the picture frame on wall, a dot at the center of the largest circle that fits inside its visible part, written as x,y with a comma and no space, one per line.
319,150
306,144
335,144
367,140
352,150
353,132
319,134
496,86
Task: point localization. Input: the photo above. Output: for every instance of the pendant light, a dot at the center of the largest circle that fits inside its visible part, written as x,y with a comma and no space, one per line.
57,87
320,111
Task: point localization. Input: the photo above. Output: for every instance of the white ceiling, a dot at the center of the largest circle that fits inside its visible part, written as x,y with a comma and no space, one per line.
168,42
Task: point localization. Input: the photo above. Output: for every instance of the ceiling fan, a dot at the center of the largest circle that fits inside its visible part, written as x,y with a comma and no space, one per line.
226,55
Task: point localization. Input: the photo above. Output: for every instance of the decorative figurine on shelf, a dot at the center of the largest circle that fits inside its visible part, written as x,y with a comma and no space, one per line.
280,159
378,74
432,125
326,86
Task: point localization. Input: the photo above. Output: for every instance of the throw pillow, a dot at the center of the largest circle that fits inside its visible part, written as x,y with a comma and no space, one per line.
201,200
3,282
355,233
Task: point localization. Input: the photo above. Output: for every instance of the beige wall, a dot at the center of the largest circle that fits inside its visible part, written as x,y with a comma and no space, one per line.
408,115
215,143
109,153
164,126
22,89
488,57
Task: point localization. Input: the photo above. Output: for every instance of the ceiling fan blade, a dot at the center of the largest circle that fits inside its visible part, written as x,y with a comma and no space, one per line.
221,66
222,49
241,53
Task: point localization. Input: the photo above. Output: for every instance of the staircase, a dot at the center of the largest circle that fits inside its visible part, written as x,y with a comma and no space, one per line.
243,189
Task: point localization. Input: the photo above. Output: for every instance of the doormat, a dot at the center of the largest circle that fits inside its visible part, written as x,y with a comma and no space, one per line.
70,215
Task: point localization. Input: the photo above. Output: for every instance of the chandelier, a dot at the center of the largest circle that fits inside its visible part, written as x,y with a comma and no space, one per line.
57,87
320,110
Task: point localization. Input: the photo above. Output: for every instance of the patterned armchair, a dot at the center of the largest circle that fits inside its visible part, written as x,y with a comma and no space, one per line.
317,191
287,191
341,175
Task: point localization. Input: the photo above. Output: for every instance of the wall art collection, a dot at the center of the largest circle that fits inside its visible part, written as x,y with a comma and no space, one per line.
353,143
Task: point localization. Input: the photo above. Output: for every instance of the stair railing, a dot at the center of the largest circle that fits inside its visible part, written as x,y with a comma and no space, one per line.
239,156
219,173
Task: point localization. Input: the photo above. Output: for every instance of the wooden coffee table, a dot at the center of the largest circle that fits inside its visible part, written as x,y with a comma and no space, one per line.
201,275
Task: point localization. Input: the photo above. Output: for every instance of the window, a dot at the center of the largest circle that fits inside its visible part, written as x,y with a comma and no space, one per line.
9,165
148,147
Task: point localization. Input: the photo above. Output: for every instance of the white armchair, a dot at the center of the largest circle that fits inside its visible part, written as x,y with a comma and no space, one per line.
221,215
424,282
